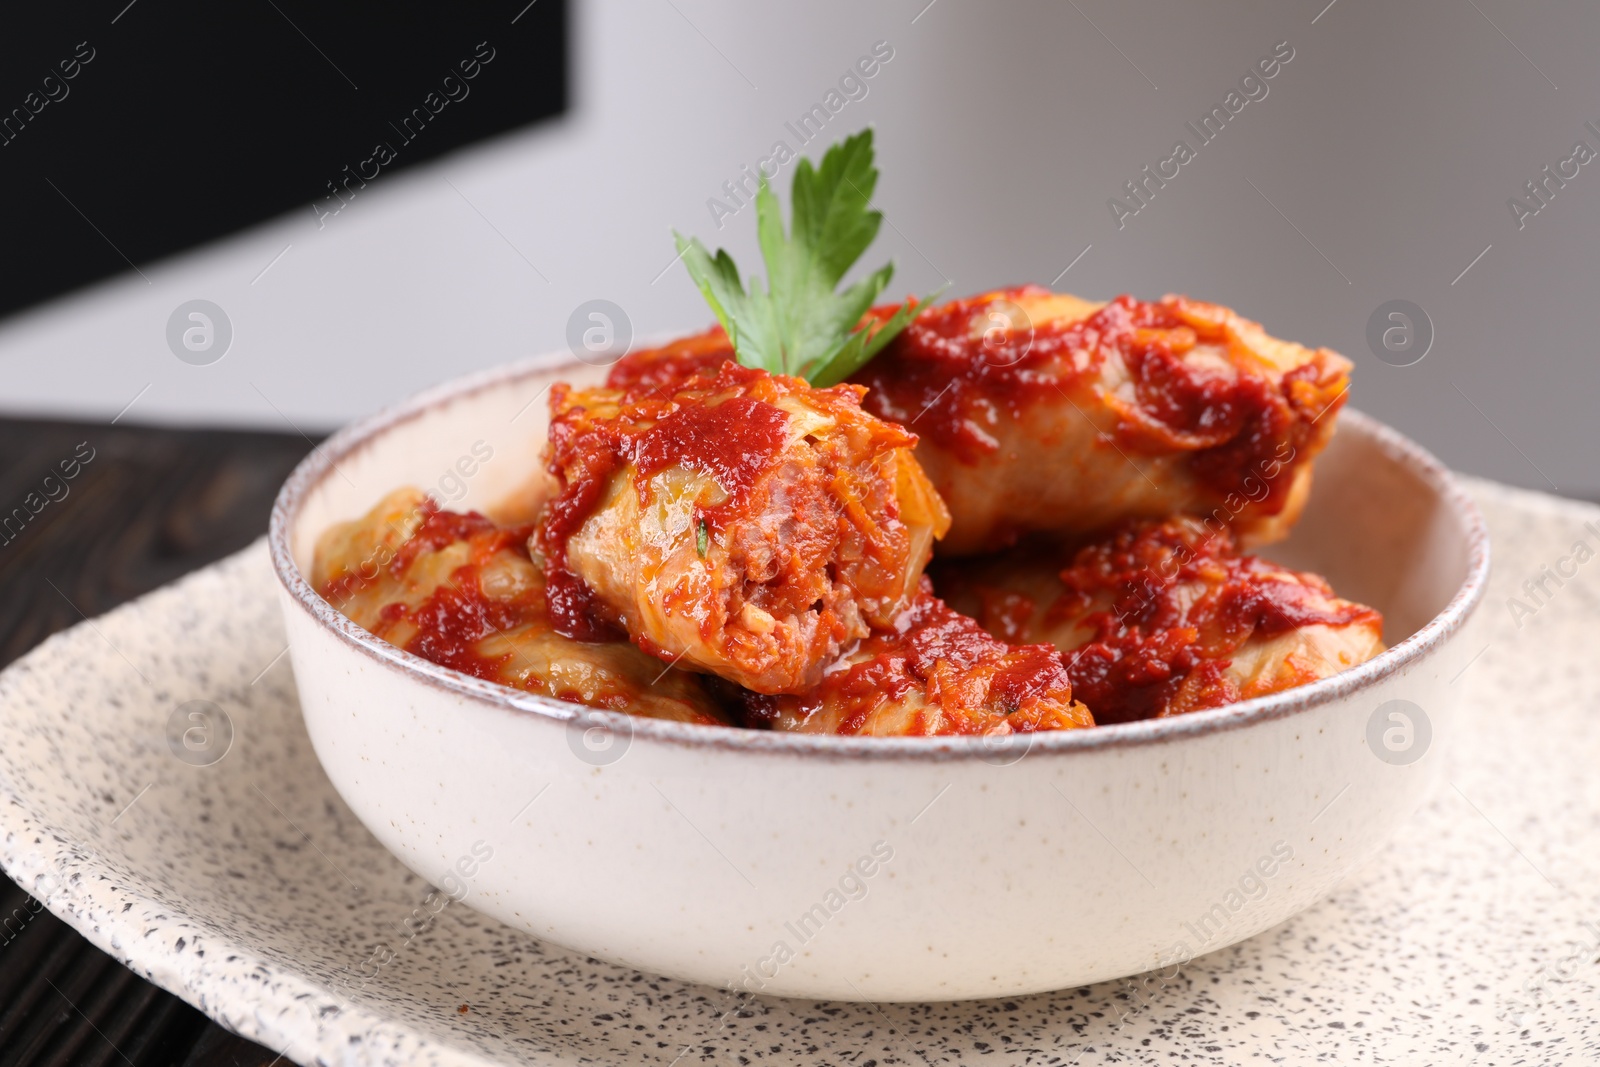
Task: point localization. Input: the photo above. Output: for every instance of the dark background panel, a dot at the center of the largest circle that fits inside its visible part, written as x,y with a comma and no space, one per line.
185,120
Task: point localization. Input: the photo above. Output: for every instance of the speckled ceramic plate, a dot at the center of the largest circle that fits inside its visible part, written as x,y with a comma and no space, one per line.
158,792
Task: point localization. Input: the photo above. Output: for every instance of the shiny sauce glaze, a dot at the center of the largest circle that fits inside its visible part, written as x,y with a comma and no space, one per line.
451,622
1156,649
977,682
699,421
956,382
734,442
669,367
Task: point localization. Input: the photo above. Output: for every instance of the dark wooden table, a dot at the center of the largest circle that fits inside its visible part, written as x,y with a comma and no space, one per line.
151,506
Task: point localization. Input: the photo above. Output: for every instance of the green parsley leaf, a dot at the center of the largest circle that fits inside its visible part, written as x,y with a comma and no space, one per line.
798,324
702,539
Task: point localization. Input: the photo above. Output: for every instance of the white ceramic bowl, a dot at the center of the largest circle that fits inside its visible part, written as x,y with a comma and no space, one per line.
879,869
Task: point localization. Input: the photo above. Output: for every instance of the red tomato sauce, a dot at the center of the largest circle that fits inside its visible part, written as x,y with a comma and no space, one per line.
457,616
1154,638
451,622
955,385
734,440
1241,427
666,369
931,639
937,633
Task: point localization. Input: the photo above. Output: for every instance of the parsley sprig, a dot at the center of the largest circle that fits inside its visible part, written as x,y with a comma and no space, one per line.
798,323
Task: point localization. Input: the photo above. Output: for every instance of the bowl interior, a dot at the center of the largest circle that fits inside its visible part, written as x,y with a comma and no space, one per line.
1385,524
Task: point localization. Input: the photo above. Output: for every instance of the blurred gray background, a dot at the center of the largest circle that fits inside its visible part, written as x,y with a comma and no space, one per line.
1377,167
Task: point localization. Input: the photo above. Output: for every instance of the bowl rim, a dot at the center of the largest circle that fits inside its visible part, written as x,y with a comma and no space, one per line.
363,433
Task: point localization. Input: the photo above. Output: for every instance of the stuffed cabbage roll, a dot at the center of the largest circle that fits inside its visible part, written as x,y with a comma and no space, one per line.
461,591
1162,618
933,672
732,521
1040,412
